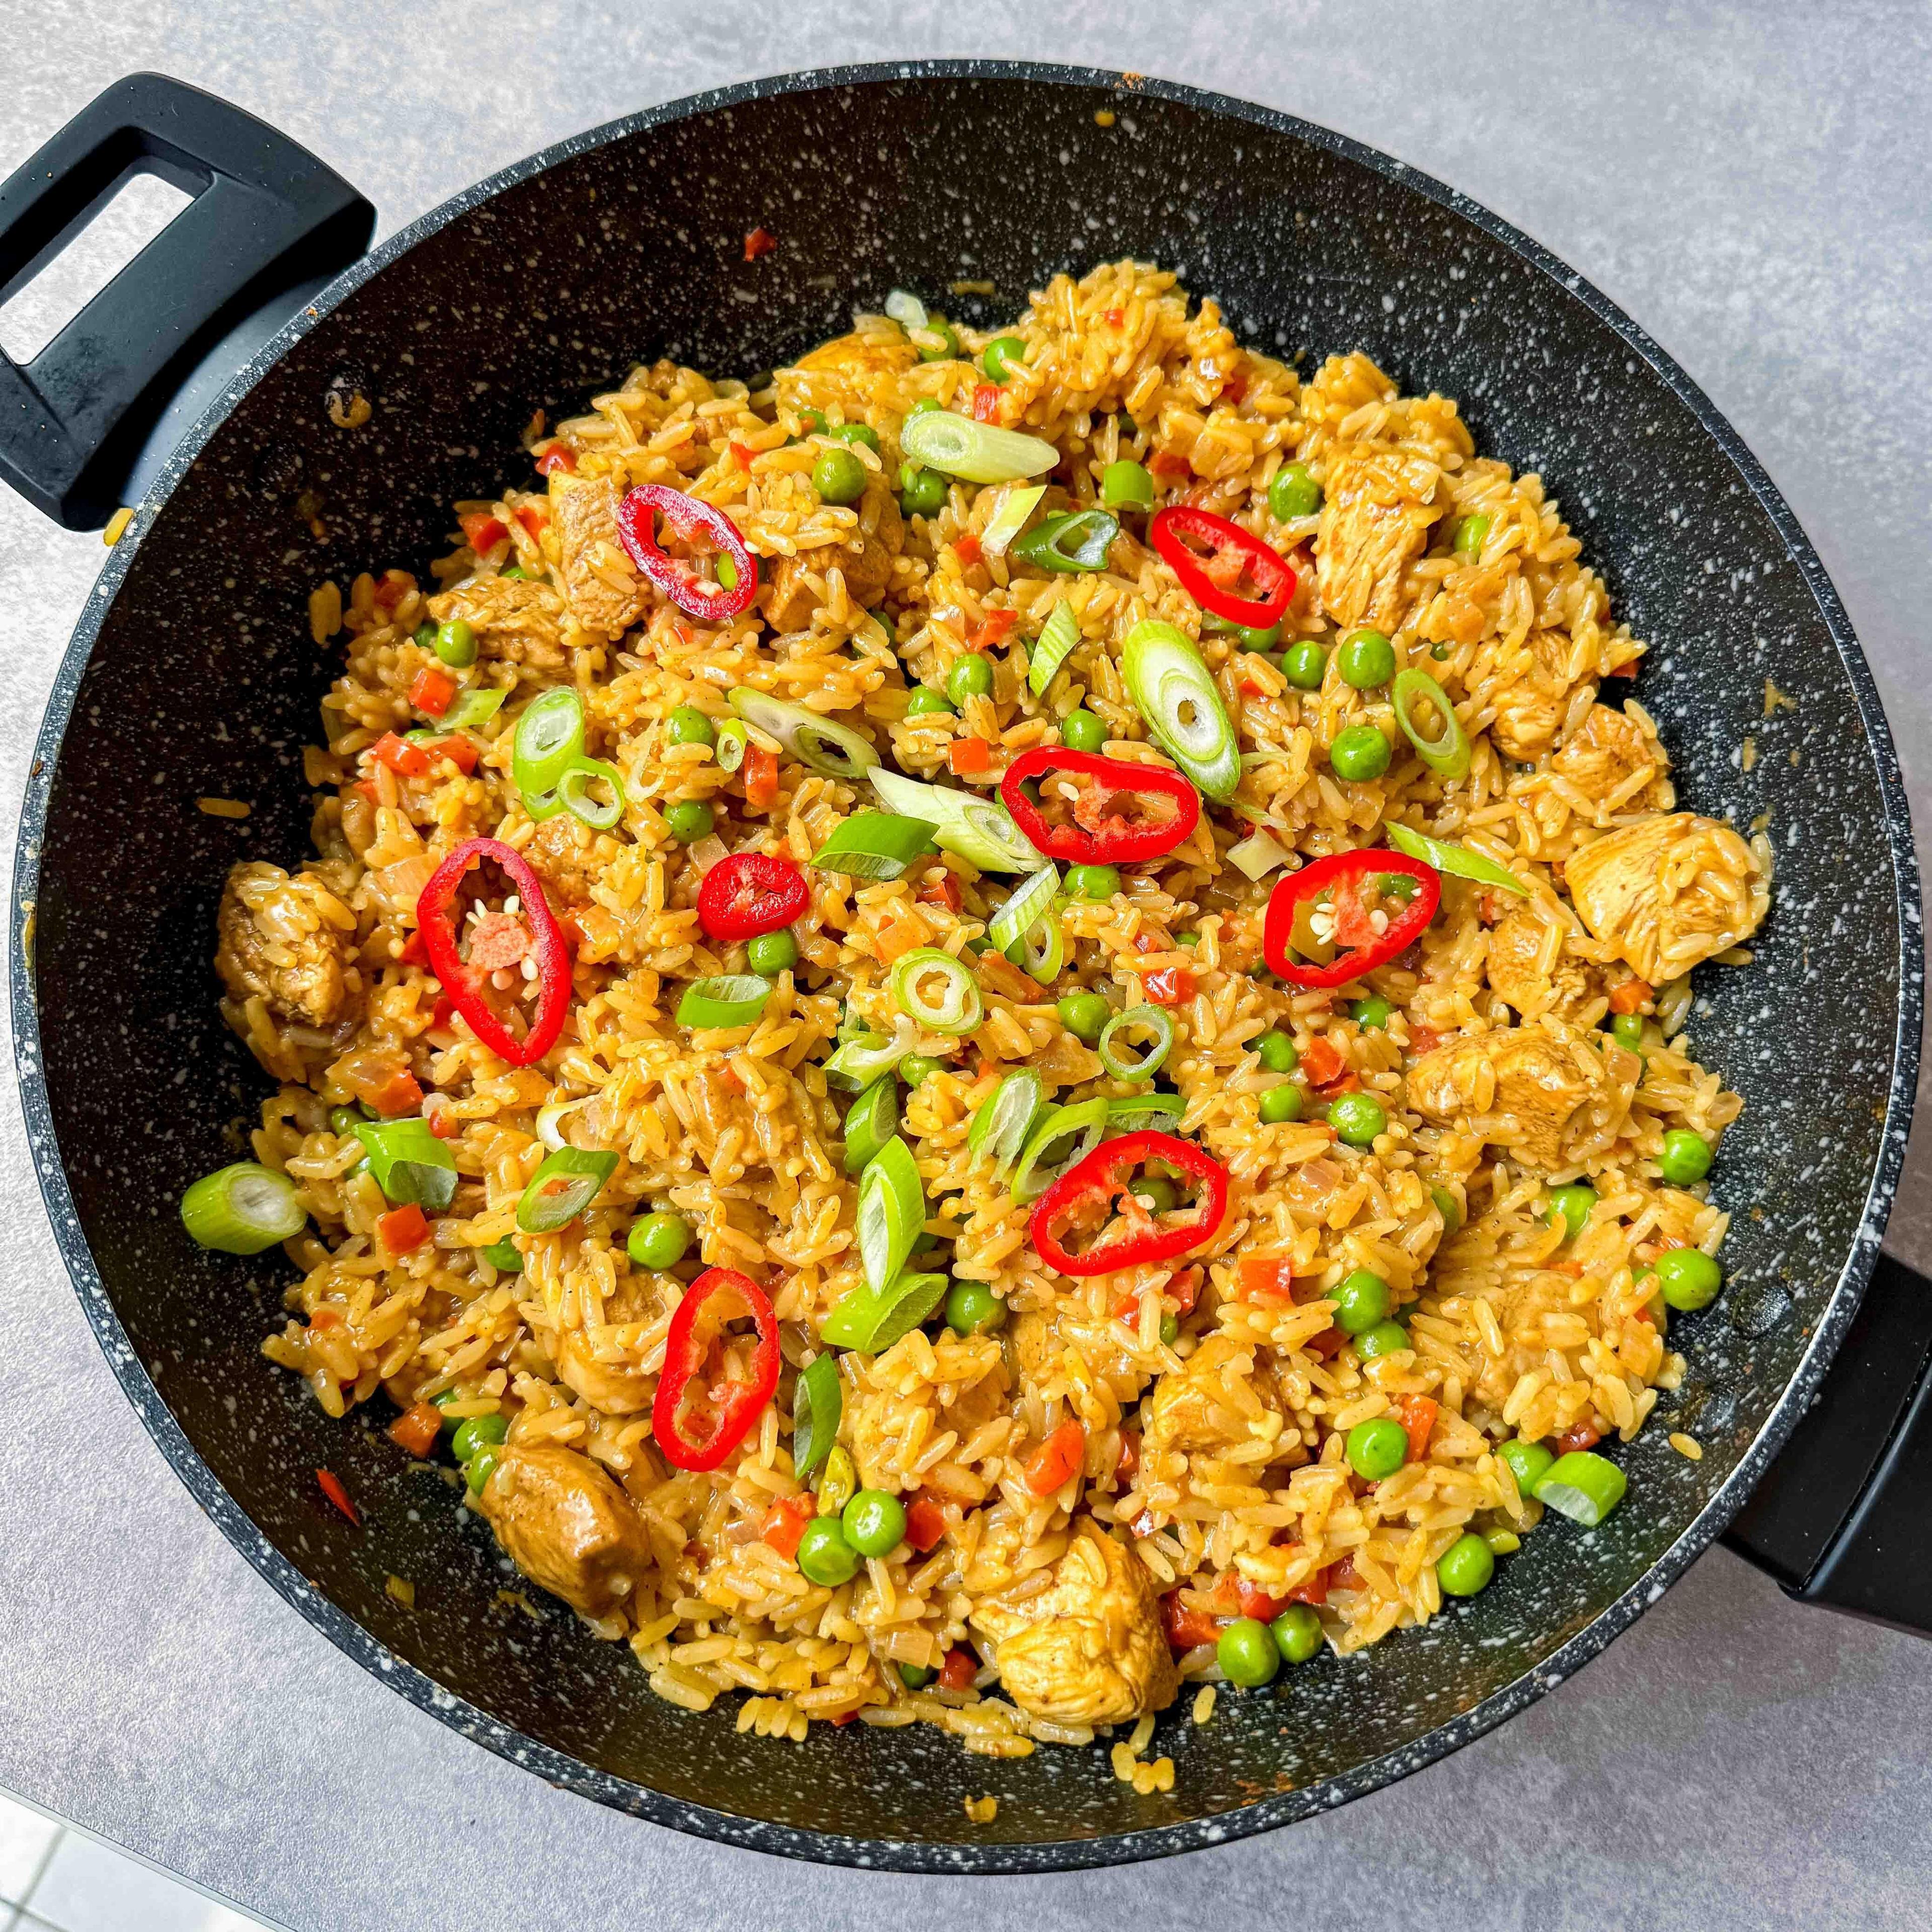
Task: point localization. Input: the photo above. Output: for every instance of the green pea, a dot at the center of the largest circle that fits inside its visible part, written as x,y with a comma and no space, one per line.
1305,665
874,1522
1471,533
916,1676
851,432
1465,1568
688,820
1170,1330
1156,1194
1001,354
972,1308
1527,1462
917,1068
824,1556
1385,1338
1357,1118
1686,1159
425,634
1276,1051
922,491
1247,1654
1377,1448
1297,1633
1574,1203
658,1241
1366,660
502,1256
1361,1302
455,642
1082,731
1188,939
1097,883
1282,1103
480,1468
839,477
342,1121
516,574
689,726
1127,485
479,1432
1449,1208
1293,493
1372,1014
946,348
811,421
970,677
1359,754
927,703
1627,1029
1083,1015
1246,635
1689,1278
772,953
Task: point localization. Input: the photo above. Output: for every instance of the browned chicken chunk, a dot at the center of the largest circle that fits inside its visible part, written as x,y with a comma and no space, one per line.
865,559
1376,513
605,592
287,939
1607,751
1528,968
568,1526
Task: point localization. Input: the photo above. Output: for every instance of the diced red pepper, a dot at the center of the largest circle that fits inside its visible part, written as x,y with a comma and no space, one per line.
760,241
986,403
1115,318
402,1229
942,889
1167,464
1423,1040
926,1524
433,691
1057,1460
760,772
1416,1414
391,588
1629,997
1341,876
416,1429
1314,1590
483,532
1585,1435
958,1670
751,893
992,629
386,1084
721,1414
702,527
1117,812
533,518
406,760
967,757
442,1123
783,1525
332,1488
458,750
415,950
1209,580
1096,1195
1268,1278
1187,1626
559,460
1170,986
1183,1290
1253,1601
741,456
1327,1344
967,549
1323,1061
1127,1464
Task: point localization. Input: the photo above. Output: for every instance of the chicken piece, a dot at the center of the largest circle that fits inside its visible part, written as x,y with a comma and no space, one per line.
1530,706
519,620
865,559
1207,1403
1544,1092
614,1383
863,359
1089,1649
1528,967
287,941
605,591
1668,892
568,1526
1607,751
1377,508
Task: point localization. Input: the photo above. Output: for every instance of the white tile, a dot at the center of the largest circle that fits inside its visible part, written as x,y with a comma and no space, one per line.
89,1887
25,1838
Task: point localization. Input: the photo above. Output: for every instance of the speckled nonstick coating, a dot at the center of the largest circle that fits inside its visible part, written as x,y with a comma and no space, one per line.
192,673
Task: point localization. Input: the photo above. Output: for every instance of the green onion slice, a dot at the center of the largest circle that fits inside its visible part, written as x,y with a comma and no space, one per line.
502,1256
954,1006
550,1120
817,1402
1064,1138
1456,860
980,830
566,1183
733,737
550,734
872,1320
976,452
836,750
1026,905
1041,950
875,845
1132,1112
1078,540
1143,1019
873,1120
476,705
1446,751
858,1062
574,793
243,1209
731,1000
1058,636
1010,519
1174,692
1582,1485
906,309
892,1212
999,1128
409,1162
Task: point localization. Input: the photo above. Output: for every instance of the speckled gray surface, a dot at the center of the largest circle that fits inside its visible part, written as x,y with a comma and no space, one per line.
1519,1886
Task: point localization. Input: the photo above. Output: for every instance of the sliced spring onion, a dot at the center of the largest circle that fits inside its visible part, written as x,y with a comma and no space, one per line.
980,830
1010,519
1257,855
937,991
550,734
574,794
871,1320
999,1128
567,1183
1065,1137
731,1000
1582,1485
976,452
733,737
1132,1112
874,845
1078,540
409,1162
1026,905
892,1212
1136,1019
1445,749
817,1402
550,1120
1174,692
906,309
1456,860
1041,950
836,750
475,706
858,1062
1058,636
872,1121
243,1209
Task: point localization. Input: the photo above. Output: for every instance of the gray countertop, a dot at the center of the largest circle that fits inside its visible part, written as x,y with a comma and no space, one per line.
1748,182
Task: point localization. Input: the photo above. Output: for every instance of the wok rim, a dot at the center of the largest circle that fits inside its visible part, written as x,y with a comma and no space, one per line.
754,1834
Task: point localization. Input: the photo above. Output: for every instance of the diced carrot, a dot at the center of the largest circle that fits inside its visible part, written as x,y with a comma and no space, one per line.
458,750
533,517
926,1524
1585,1435
367,787
332,1488
967,757
1266,1276
785,1523
1322,1060
992,629
1171,986
741,456
401,1093
986,403
967,549
760,241
941,888
559,460
406,760
402,1229
959,1669
1314,1591
1116,318
482,532
1128,1463
1349,1083
1416,1414
417,1428
1423,1039
442,1123
1166,462
1057,1460
432,692
1254,1601
1630,995
760,771
1187,1628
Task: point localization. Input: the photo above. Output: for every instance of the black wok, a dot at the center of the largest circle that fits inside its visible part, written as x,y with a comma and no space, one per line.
192,673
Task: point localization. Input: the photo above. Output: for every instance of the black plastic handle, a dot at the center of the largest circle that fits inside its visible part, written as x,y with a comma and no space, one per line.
268,224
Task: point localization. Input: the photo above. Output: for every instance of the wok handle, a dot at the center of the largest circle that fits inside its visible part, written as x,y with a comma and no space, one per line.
266,218
1839,1518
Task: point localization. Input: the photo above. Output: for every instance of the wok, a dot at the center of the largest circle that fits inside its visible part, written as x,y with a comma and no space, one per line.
192,673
